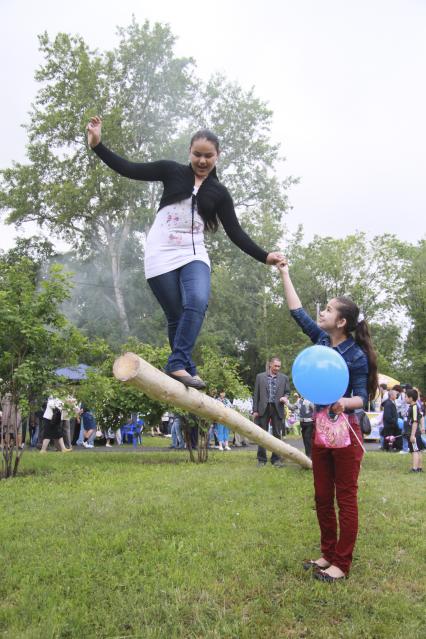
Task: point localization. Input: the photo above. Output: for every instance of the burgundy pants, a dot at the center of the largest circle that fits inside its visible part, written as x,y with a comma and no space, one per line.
336,473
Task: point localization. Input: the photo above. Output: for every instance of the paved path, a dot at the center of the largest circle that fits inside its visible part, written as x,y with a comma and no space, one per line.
127,448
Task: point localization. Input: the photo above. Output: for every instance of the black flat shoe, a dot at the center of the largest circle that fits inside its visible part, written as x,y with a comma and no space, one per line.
188,380
198,378
320,575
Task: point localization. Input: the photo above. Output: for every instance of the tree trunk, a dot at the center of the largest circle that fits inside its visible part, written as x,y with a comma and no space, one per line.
115,249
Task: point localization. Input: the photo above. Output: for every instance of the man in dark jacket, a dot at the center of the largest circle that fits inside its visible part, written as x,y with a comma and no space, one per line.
390,422
271,391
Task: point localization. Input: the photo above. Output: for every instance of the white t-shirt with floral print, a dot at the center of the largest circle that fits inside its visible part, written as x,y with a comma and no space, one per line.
170,242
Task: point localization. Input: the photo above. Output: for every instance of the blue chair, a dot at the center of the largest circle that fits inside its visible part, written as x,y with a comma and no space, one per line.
134,431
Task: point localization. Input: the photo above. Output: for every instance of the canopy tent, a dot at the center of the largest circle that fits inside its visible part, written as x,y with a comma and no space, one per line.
75,373
390,381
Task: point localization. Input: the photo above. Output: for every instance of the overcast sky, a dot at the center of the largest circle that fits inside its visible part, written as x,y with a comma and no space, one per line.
344,78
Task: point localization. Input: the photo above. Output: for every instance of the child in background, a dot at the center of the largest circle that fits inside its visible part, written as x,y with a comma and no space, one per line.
221,429
413,432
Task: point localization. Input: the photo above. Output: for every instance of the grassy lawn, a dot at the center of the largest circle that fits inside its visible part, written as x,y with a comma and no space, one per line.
113,545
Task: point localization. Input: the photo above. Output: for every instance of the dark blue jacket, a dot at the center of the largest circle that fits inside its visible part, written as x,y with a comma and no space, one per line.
354,356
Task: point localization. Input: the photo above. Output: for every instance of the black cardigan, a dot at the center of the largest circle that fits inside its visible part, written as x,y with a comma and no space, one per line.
178,181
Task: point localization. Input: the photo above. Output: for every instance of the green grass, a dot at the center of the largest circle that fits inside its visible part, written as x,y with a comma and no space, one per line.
150,546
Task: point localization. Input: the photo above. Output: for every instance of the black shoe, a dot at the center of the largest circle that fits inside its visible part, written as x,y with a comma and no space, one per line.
188,380
198,379
321,575
260,464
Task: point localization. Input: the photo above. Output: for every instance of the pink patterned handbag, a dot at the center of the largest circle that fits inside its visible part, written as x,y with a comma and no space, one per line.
331,432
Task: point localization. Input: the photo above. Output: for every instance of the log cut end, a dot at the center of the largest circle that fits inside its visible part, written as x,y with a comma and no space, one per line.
126,367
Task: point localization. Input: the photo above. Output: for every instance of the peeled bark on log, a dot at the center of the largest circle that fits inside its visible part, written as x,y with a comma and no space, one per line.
134,370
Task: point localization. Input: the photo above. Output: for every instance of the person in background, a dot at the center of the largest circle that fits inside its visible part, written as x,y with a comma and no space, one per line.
165,424
400,402
245,407
271,391
390,423
33,429
221,429
69,411
383,394
109,437
176,431
306,417
89,427
413,431
52,428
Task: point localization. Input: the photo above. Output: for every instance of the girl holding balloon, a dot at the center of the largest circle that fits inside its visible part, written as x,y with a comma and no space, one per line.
343,328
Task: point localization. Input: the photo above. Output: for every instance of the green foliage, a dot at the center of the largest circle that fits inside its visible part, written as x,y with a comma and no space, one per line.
35,337
414,298
112,401
222,373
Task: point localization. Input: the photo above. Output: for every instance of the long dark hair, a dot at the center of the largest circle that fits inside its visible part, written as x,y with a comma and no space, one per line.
349,311
210,219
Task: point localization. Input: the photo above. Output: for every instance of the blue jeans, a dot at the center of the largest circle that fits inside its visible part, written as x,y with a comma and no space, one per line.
183,295
80,439
222,433
177,438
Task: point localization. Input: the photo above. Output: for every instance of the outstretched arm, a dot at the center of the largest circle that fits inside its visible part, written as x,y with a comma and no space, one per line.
149,171
291,296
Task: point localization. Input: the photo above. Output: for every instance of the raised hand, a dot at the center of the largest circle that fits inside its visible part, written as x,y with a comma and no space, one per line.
94,130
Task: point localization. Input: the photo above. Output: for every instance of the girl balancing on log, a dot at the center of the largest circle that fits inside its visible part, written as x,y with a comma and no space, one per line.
342,327
177,266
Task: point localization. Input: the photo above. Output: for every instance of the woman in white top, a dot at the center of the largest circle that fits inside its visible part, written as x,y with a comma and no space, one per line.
177,266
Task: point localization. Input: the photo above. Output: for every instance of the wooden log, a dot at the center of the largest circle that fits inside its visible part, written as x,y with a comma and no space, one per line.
134,370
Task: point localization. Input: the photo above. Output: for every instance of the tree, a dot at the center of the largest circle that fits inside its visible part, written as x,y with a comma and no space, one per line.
413,295
143,93
35,337
150,101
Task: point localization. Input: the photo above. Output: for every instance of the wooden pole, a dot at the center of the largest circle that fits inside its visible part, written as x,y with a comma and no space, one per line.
134,370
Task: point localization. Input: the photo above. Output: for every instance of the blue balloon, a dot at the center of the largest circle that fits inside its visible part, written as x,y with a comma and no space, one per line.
320,374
